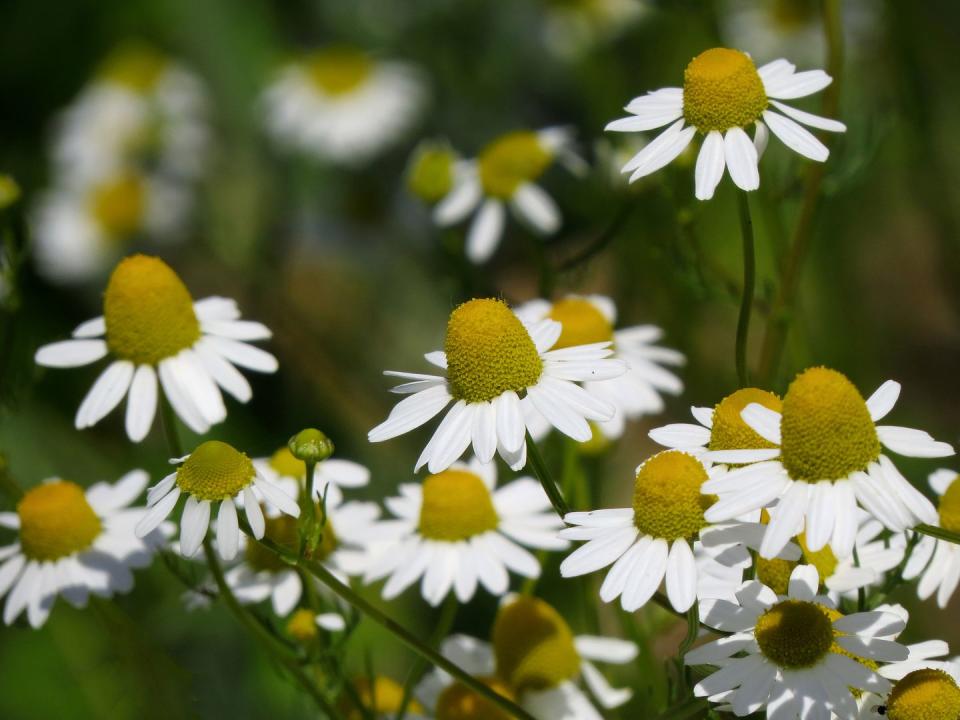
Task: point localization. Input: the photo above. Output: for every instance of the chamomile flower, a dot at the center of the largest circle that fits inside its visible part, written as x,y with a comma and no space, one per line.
457,530
505,175
794,656
341,105
214,473
928,693
535,660
73,543
723,94
330,476
591,319
494,365
651,541
937,562
827,456
153,329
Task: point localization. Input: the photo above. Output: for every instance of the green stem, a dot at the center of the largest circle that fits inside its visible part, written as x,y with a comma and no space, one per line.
749,282
693,629
169,420
400,632
938,532
7,483
600,243
447,615
546,480
260,633
686,709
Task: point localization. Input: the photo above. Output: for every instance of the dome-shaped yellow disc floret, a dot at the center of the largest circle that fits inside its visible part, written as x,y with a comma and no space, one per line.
456,506
119,205
148,311
458,702
794,634
582,322
383,697
430,177
826,429
667,502
338,70
533,645
489,351
511,160
55,521
926,694
729,431
722,90
949,507
286,465
215,471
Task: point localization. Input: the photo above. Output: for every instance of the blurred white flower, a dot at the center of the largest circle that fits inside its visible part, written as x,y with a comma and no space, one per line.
573,27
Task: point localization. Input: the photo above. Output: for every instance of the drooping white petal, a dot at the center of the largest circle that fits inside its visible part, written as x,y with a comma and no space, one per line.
141,403
741,157
459,202
537,208
106,393
228,530
193,525
485,231
815,121
710,165
71,353
796,85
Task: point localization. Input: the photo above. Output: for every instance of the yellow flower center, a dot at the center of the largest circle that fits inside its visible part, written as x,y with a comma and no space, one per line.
458,702
118,205
533,646
489,351
667,502
338,71
510,161
949,508
925,694
722,90
729,431
286,465
302,626
826,429
215,471
582,322
55,521
384,696
148,311
456,506
284,531
430,177
775,573
794,634
136,67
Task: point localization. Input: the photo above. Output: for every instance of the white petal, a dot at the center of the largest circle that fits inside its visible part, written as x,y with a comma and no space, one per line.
796,85
277,497
741,156
912,443
228,530
661,151
242,354
537,208
410,413
605,649
141,403
459,202
599,553
158,513
97,327
804,583
450,440
821,123
764,421
643,584
510,426
71,353
681,579
251,508
106,393
485,231
193,525
786,521
680,435
180,398
796,137
710,165
484,431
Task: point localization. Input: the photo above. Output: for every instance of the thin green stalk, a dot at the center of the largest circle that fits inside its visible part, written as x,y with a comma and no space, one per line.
169,420
602,240
686,709
749,283
7,484
308,536
546,480
693,629
938,532
444,624
400,632
260,633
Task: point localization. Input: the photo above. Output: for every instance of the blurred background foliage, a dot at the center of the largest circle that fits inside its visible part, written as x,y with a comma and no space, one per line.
350,273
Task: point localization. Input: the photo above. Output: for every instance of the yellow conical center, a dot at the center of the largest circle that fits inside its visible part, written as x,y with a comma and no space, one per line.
148,311
533,646
338,71
456,506
582,322
949,508
667,502
722,90
826,429
489,351
383,697
302,625
215,471
55,521
794,634
729,431
431,172
458,702
510,161
284,531
775,573
286,465
926,694
137,67
118,206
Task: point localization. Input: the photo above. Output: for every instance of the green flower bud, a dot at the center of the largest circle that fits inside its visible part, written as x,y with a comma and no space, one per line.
310,446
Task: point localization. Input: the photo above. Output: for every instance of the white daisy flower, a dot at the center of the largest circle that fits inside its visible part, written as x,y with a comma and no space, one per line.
534,660
591,319
342,105
261,575
214,473
827,456
495,365
653,541
505,174
929,692
330,476
794,656
152,327
937,562
723,94
457,530
73,543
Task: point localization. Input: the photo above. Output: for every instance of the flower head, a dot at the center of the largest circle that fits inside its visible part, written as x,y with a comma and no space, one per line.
937,562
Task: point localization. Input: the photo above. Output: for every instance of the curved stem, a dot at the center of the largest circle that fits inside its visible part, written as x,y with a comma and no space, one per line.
600,243
546,480
749,282
447,615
